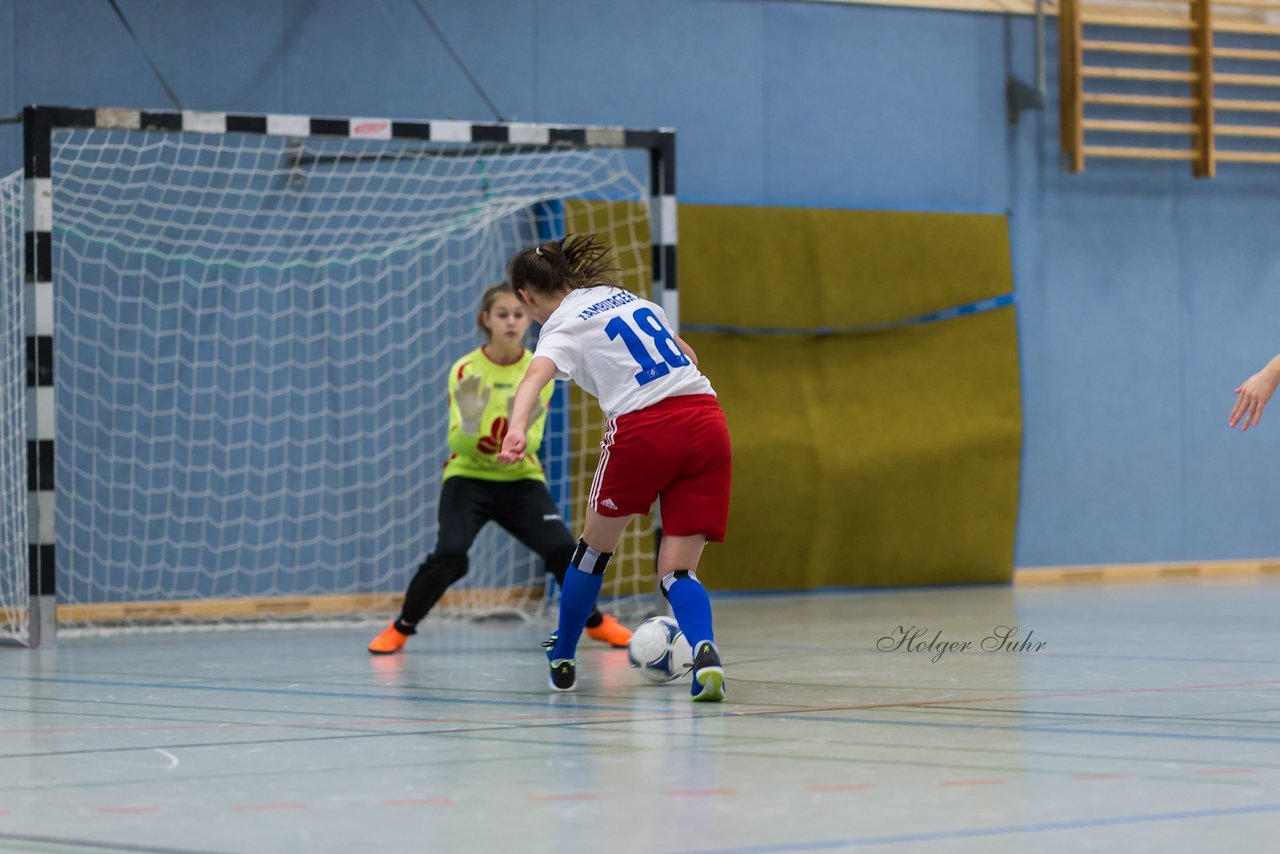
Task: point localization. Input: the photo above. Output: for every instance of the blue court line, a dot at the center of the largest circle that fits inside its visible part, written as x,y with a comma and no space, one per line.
999,830
94,845
1062,730
416,698
1169,658
862,329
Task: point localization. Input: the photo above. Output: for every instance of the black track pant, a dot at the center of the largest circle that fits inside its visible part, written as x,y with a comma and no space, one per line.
523,508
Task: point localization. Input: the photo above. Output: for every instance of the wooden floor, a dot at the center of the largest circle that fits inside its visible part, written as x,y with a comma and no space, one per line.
1149,720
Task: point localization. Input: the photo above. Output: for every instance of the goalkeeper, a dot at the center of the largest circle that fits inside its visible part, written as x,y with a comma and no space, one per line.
477,489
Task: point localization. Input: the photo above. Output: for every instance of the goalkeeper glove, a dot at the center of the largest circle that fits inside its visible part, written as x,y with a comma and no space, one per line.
471,400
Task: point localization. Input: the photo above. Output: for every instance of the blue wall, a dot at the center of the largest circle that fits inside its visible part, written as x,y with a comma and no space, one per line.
1146,296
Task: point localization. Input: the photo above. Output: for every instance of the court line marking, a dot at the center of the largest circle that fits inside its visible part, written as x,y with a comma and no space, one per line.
339,725
164,723
666,714
542,703
486,728
946,766
1019,769
94,845
169,780
1083,777
997,830
1185,736
1170,659
348,725
570,796
254,807
840,787
353,695
1120,716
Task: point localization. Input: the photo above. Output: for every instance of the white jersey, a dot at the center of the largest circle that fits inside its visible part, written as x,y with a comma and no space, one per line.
619,348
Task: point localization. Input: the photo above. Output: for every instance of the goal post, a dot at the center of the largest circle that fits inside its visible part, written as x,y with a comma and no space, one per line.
237,330
14,582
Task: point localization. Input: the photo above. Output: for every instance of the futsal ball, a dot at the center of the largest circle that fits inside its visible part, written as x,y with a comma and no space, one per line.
659,650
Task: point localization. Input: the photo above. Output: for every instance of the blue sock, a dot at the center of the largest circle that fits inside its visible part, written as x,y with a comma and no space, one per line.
691,605
578,597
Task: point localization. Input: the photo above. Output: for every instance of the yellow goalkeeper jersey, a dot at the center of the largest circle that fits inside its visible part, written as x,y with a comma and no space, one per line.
477,456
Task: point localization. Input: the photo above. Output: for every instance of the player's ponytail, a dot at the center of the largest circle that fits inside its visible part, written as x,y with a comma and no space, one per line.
581,261
588,258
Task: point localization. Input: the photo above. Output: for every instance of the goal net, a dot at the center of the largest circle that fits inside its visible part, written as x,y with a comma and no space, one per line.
252,335
13,466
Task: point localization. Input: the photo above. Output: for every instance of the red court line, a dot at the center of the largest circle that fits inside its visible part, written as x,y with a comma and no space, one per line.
120,810
1219,772
988,782
841,787
585,796
5,813
700,793
284,806
416,802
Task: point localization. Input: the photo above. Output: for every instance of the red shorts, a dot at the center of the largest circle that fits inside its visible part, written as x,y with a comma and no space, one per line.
676,450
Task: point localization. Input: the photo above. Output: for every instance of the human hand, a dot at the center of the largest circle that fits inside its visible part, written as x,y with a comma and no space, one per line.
471,400
512,447
1252,397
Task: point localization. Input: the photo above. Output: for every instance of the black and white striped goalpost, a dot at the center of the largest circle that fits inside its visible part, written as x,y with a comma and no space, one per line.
41,123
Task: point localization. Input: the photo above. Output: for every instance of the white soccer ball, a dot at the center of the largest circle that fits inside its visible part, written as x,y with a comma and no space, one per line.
659,650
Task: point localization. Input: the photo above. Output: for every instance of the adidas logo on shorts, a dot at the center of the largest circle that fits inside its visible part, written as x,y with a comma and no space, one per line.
609,503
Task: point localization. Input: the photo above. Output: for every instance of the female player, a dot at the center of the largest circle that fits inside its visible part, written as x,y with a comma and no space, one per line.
665,437
1253,394
477,489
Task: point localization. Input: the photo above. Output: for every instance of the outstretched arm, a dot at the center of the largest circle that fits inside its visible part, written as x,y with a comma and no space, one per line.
540,372
537,420
1253,394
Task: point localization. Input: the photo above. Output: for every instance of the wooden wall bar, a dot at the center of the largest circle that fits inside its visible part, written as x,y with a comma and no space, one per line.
1142,80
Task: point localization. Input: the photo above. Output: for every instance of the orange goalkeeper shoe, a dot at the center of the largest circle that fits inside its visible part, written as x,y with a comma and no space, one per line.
610,631
391,640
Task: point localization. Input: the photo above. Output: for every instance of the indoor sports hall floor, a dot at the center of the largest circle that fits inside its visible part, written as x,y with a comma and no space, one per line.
1150,721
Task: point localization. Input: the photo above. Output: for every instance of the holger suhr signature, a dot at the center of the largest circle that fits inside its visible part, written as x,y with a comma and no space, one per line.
917,639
